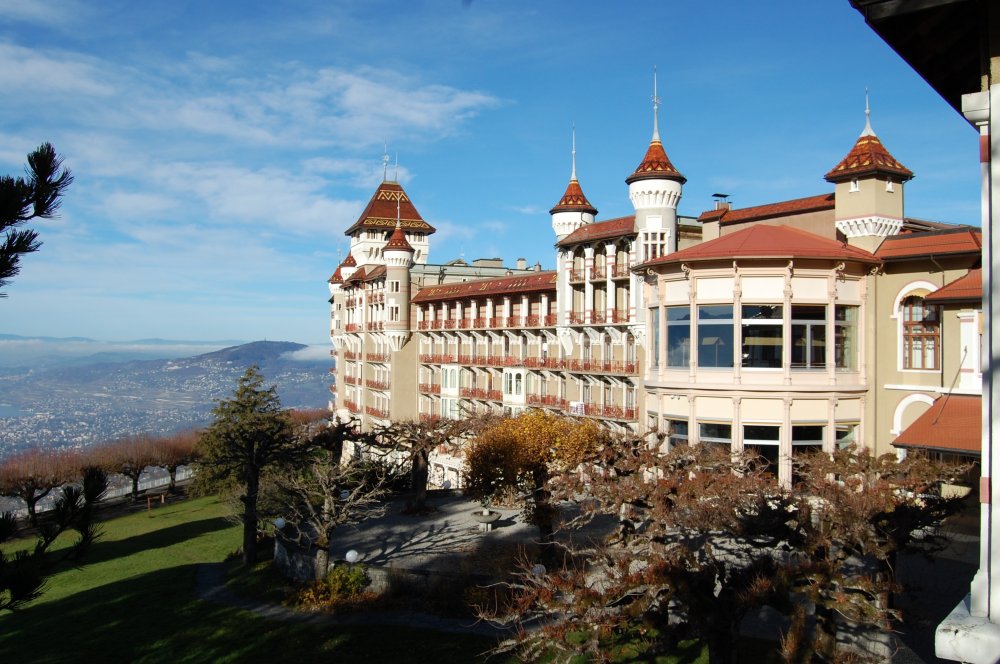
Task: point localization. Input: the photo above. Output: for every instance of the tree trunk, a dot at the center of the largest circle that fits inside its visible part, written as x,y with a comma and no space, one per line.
31,499
135,487
173,479
250,521
543,517
321,562
418,478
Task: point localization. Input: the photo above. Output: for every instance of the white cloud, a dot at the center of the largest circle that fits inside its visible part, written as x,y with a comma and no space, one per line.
55,13
309,354
27,70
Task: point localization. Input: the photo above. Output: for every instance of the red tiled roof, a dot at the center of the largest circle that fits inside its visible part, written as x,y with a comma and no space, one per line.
359,275
374,273
336,278
381,211
349,261
573,200
397,241
936,243
655,165
761,241
966,287
953,423
867,157
771,210
600,230
532,283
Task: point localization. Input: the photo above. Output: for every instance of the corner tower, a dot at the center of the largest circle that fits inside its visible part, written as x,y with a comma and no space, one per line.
869,190
655,188
398,255
573,210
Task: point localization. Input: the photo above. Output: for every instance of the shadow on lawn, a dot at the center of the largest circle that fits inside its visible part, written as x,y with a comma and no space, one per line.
103,550
154,617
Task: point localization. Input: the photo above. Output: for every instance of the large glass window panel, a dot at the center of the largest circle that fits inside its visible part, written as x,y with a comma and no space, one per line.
715,335
762,440
762,335
678,336
845,330
808,337
677,431
712,432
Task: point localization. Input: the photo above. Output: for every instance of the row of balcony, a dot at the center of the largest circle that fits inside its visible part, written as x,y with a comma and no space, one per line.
587,366
373,298
618,271
546,401
377,384
375,411
351,328
488,323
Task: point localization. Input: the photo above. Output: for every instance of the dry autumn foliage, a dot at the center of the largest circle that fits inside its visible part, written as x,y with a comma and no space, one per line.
705,536
520,453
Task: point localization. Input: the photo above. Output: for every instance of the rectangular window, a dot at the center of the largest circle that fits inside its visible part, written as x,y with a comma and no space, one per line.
846,434
920,334
763,440
762,333
712,432
809,337
845,335
393,286
677,432
394,314
678,336
715,335
654,338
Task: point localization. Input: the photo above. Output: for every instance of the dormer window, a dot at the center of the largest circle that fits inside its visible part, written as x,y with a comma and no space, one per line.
854,185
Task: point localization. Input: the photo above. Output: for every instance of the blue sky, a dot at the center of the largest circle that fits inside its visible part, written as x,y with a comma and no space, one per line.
221,148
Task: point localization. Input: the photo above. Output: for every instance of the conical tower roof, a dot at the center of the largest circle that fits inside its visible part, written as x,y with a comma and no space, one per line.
573,200
337,278
381,211
349,261
868,157
655,166
397,241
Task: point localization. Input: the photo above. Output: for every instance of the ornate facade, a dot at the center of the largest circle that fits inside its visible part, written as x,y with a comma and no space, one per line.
807,323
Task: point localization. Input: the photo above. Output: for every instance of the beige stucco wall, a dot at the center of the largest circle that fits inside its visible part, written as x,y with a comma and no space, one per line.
819,223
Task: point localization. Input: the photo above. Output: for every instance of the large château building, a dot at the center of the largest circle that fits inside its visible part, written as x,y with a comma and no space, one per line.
806,323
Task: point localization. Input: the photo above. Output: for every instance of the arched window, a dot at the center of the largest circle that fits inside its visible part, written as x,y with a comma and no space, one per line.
921,334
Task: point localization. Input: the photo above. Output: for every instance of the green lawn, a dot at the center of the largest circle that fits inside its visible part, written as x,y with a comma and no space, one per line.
132,599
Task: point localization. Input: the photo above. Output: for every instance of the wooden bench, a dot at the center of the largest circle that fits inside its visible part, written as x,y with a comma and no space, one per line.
152,495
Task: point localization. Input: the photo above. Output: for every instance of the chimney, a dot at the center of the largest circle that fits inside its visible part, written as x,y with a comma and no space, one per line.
538,266
522,264
722,202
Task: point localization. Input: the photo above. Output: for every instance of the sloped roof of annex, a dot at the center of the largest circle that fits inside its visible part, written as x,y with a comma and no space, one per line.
537,282
765,241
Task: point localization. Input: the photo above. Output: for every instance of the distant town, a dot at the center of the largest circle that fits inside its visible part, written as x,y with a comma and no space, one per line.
86,404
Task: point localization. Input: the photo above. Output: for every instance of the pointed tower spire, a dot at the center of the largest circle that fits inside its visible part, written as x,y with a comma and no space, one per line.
655,164
572,175
868,117
574,199
385,160
395,173
573,209
656,109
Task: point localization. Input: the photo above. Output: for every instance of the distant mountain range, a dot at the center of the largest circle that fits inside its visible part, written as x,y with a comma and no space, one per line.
73,400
